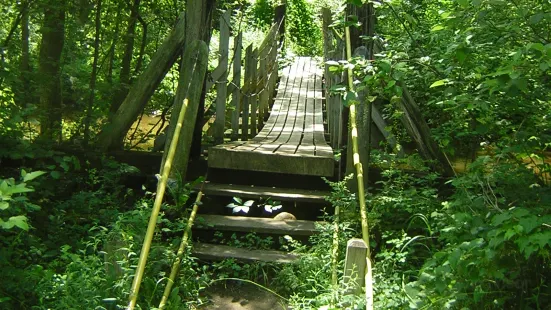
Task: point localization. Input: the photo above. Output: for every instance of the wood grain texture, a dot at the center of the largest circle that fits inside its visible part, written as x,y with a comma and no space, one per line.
293,139
220,252
255,224
284,194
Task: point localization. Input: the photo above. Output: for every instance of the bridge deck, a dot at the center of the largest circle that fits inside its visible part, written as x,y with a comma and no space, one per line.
292,140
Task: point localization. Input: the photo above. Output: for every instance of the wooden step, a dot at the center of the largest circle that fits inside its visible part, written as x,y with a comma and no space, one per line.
218,252
283,194
255,224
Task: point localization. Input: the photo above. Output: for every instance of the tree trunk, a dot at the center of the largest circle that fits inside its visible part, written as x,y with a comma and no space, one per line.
124,77
113,133
53,37
24,93
142,46
90,106
112,49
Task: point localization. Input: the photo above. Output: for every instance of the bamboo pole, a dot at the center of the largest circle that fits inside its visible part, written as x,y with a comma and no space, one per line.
183,245
355,150
334,254
359,170
156,209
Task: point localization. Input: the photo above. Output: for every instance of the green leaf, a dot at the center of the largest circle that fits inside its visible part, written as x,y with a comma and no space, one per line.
55,174
4,205
385,65
463,3
19,221
437,28
439,83
33,175
536,18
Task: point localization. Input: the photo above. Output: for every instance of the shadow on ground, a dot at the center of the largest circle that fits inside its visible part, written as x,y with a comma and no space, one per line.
242,296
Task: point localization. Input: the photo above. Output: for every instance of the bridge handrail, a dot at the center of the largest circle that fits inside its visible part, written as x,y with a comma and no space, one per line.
334,49
251,101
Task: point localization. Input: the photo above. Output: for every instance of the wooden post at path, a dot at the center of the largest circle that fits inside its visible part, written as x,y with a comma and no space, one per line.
355,266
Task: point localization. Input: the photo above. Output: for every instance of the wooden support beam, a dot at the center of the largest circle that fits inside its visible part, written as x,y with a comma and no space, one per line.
236,92
221,86
255,225
220,252
246,94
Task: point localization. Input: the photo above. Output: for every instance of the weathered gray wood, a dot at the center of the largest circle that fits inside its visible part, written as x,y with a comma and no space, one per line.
264,96
254,92
236,93
220,252
270,162
278,147
247,94
255,224
113,133
189,87
355,266
221,87
283,194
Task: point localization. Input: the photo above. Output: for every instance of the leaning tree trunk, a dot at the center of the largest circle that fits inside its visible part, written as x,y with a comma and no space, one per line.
53,38
124,77
113,133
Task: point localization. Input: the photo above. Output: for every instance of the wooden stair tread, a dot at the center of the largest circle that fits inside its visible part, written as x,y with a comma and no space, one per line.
255,224
244,191
209,251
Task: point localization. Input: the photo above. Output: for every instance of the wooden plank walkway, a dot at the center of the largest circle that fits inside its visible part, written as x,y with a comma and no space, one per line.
292,140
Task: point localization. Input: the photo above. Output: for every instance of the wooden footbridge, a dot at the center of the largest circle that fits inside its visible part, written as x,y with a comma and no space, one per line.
293,139
275,121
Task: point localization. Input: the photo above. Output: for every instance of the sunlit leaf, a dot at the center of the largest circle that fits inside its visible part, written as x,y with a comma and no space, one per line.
439,83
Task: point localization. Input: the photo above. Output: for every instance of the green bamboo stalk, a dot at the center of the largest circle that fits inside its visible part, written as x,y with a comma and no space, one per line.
355,150
156,209
359,177
334,254
183,245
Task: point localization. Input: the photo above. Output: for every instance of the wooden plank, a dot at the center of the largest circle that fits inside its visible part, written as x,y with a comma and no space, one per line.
255,224
322,149
283,194
307,145
220,252
246,95
280,108
236,93
285,128
270,162
294,140
221,86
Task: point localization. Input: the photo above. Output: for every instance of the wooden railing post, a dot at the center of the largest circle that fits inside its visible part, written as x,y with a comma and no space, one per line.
264,96
247,91
279,19
355,266
254,91
221,86
236,94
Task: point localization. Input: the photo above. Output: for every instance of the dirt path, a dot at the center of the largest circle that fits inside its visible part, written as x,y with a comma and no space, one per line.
242,296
